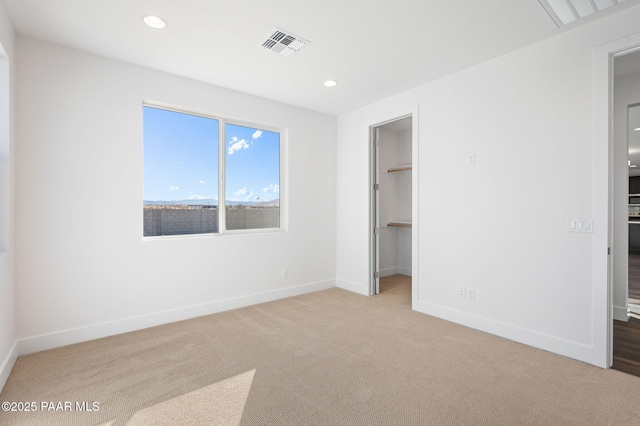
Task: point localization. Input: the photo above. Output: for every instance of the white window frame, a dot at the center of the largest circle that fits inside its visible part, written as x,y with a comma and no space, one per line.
222,156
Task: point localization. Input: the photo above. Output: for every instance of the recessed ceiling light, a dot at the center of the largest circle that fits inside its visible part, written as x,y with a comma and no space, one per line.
330,83
637,128
154,21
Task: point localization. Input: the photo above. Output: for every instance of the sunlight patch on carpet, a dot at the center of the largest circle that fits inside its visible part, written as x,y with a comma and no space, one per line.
221,403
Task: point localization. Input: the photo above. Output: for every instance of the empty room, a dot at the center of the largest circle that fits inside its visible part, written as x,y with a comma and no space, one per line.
307,213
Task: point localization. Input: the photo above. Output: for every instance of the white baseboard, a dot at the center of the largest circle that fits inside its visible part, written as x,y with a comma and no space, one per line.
528,337
82,334
7,365
387,272
404,271
354,287
620,314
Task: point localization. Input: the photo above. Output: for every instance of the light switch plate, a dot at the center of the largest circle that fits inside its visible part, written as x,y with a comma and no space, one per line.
580,225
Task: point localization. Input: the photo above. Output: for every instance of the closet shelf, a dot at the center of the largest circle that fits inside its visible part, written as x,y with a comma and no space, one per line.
399,169
400,224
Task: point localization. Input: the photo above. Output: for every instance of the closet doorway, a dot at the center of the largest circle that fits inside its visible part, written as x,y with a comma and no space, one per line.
392,206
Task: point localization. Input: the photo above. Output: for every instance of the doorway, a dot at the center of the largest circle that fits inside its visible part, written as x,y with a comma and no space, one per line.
633,161
609,210
392,205
625,200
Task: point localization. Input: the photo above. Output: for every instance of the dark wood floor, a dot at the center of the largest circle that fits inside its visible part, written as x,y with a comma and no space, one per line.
634,274
626,335
626,346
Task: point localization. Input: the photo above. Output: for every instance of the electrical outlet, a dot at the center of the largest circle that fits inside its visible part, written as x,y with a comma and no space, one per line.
471,159
285,273
471,293
462,292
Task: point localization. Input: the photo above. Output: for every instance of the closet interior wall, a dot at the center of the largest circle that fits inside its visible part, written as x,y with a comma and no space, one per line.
395,201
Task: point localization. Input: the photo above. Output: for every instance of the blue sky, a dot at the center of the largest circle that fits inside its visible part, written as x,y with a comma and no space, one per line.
181,159
252,164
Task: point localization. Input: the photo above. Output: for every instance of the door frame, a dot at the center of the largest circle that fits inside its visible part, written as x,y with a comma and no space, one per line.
372,123
601,271
374,210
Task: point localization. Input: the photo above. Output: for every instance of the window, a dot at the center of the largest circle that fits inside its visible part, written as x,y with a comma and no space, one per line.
187,168
252,178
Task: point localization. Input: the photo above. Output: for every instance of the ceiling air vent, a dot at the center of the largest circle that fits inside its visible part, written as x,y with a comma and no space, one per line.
283,42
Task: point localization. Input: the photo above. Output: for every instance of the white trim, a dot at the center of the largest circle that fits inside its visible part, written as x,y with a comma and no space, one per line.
374,208
7,365
222,178
82,334
354,287
395,114
386,272
405,271
551,12
282,184
601,290
601,279
223,121
284,179
415,205
546,342
620,314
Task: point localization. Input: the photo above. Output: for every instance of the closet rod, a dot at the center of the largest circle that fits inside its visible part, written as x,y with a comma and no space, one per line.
400,224
399,169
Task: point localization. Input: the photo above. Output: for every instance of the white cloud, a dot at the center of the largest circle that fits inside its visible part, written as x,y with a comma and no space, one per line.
201,182
241,192
196,197
237,145
174,188
271,189
256,134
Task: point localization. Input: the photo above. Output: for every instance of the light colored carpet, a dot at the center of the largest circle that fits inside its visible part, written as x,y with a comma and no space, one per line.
325,358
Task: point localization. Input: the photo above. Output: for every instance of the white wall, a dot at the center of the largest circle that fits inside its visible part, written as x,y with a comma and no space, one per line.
404,194
626,92
83,270
499,226
8,352
395,202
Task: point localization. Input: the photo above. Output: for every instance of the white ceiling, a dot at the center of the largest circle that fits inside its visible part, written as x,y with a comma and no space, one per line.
373,48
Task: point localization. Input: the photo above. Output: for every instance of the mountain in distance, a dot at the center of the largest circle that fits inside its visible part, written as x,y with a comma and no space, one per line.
212,202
